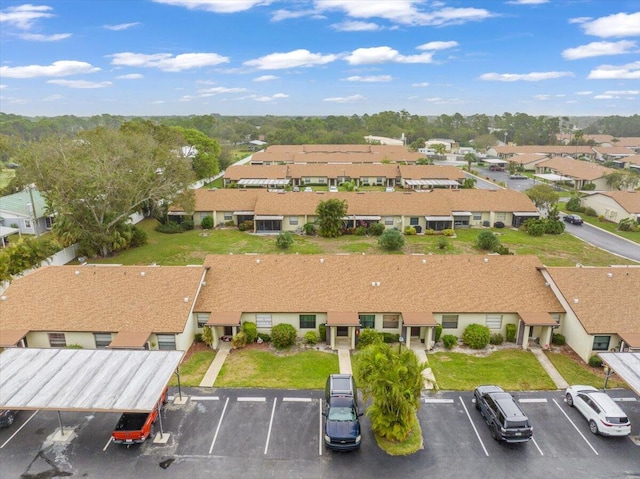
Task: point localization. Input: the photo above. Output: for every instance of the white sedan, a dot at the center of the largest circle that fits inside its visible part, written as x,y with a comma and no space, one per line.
603,414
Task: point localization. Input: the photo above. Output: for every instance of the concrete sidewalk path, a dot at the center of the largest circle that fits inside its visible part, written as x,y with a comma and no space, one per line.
549,368
427,374
344,358
213,371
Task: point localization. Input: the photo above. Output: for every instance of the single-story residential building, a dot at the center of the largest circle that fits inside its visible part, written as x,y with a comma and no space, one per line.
436,209
615,205
613,153
601,305
579,173
528,161
25,211
340,154
507,151
102,306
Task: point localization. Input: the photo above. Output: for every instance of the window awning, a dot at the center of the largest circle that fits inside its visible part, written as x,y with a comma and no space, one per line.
224,318
341,318
462,213
243,213
631,339
438,218
269,217
11,337
537,318
553,177
418,318
130,340
362,217
526,213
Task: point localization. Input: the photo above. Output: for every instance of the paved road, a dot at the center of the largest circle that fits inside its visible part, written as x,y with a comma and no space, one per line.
605,240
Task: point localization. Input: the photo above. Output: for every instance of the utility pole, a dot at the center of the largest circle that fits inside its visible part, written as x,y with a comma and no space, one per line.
33,211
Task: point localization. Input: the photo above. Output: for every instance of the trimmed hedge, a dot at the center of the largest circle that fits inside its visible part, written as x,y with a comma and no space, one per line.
250,330
311,337
595,362
368,337
558,339
438,333
512,329
283,335
476,336
496,339
449,340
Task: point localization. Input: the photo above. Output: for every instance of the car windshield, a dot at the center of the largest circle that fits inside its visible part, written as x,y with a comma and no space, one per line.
517,424
617,420
341,414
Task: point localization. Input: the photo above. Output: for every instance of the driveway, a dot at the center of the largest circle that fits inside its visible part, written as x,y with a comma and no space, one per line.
605,240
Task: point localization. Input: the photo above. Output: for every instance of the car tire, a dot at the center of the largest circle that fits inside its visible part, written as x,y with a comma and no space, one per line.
569,399
494,433
10,418
477,404
593,427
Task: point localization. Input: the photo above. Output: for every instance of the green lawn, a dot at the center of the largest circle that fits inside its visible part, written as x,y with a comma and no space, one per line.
193,246
575,372
511,369
193,370
249,368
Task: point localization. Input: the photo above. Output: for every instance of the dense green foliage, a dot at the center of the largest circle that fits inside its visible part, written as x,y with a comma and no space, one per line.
543,196
330,214
283,335
393,381
449,341
595,361
391,240
437,333
284,240
250,330
511,332
558,339
207,222
368,337
487,240
476,336
24,254
310,338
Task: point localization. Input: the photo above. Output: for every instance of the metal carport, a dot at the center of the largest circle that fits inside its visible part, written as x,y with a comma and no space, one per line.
84,380
627,366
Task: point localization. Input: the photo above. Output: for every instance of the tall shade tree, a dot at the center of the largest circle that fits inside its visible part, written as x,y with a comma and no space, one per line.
393,380
94,182
330,214
203,151
543,196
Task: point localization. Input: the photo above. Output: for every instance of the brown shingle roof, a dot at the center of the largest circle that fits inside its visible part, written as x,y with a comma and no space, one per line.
239,172
582,170
526,158
429,172
629,200
315,283
336,154
101,298
544,149
487,200
614,150
608,299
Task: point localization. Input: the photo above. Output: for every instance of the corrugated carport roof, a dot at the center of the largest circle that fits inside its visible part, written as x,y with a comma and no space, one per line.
627,366
84,379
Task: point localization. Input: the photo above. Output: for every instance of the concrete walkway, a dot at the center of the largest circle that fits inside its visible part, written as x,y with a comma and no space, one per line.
427,374
344,358
213,371
549,368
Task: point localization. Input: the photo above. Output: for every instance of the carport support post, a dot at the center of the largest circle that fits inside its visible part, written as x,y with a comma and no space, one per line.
179,388
60,422
160,419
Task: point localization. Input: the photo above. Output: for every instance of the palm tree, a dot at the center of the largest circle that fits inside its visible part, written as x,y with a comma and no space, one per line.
469,158
393,379
440,149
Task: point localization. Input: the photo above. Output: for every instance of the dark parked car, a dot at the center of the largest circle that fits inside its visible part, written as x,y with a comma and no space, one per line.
573,219
7,417
502,414
342,423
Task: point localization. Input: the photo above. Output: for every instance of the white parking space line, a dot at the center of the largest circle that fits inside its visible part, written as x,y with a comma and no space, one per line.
532,400
205,398
273,411
473,426
107,444
215,436
576,428
538,447
19,429
624,399
296,399
251,399
438,401
320,439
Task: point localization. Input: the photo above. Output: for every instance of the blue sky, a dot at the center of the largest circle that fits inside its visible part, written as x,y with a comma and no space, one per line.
320,57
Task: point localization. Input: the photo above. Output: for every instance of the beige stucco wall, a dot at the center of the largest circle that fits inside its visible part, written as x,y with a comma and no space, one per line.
313,180
465,319
288,318
607,207
41,339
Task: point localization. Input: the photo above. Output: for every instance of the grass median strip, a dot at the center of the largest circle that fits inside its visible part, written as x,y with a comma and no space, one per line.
193,369
575,372
263,369
512,369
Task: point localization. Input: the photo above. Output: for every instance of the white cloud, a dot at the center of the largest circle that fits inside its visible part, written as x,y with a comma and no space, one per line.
53,98
527,2
268,98
280,95
81,84
346,99
367,56
622,92
2,85
533,76
420,85
617,25
370,79
603,97
437,45
630,71
596,49
404,12
265,78
158,102
24,16
293,59
37,37
542,97
220,89
584,93
355,26
130,76
279,15
217,6
120,26
166,61
56,69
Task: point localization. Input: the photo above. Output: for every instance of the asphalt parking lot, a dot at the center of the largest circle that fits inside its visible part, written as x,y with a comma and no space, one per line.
277,433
